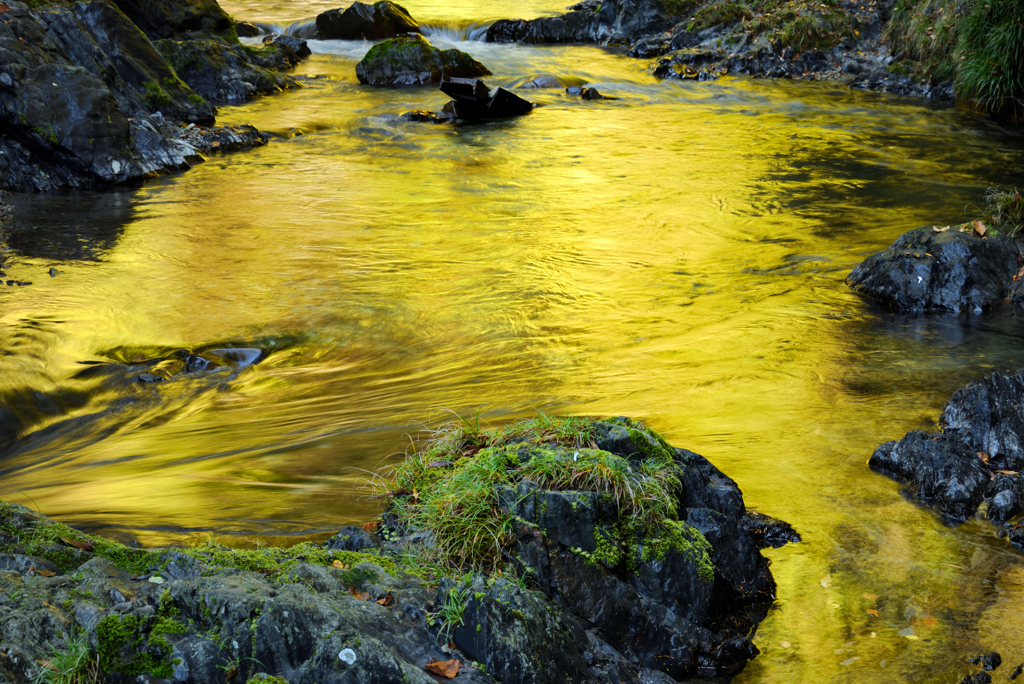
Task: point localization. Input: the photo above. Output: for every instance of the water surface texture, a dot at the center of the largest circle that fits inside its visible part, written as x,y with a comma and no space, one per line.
676,255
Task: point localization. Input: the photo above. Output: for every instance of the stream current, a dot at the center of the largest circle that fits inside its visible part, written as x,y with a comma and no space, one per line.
675,255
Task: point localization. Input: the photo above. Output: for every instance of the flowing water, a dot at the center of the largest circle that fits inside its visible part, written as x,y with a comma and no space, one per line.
677,254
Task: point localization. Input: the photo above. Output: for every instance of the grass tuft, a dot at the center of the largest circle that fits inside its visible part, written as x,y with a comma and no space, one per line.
990,58
75,664
1005,211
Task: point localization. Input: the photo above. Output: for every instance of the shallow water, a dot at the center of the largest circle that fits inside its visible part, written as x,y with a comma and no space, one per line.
676,255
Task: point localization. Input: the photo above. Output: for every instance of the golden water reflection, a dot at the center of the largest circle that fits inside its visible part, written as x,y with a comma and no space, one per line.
676,255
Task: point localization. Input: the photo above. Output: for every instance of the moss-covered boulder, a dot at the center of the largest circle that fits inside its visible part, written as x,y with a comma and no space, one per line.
413,61
220,69
360,21
650,544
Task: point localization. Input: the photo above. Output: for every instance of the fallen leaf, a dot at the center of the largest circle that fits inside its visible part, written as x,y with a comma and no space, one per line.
371,526
85,546
44,573
215,143
979,227
1008,472
386,601
983,456
785,644
940,230
930,622
445,668
338,564
871,597
4,8
361,595
872,611
917,255
826,581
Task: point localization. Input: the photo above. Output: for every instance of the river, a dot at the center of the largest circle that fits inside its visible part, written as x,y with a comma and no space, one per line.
677,255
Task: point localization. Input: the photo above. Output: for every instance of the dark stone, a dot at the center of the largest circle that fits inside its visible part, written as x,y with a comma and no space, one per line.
766,531
986,415
413,61
940,469
609,22
295,49
351,538
465,89
587,93
359,21
990,661
977,678
220,70
22,564
1016,672
505,104
246,30
925,271
166,18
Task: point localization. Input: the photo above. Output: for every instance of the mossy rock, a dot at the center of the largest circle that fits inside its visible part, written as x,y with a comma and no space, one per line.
413,61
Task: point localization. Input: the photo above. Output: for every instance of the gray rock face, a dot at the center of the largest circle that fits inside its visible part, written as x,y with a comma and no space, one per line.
413,61
976,457
360,21
949,271
166,18
611,22
74,81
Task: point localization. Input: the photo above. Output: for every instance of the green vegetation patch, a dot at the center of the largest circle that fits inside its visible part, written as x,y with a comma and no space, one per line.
1004,211
124,647
800,24
155,96
75,663
449,482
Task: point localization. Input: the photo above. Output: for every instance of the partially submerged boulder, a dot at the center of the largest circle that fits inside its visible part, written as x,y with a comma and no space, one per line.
646,544
587,583
360,21
473,100
976,458
934,269
413,61
222,70
608,22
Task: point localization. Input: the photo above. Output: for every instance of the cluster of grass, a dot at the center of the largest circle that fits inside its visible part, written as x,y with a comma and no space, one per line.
1005,211
448,485
800,24
76,663
979,44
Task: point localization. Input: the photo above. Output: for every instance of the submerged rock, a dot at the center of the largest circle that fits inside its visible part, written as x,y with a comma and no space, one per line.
359,21
948,271
640,606
413,61
977,457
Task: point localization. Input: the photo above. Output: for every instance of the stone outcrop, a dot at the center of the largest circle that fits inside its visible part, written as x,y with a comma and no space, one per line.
412,61
79,84
934,269
360,21
977,458
586,597
610,22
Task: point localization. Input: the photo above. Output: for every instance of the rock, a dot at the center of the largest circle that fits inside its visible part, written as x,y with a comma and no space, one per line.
977,678
423,116
295,49
351,538
977,456
220,70
587,93
246,30
610,22
474,100
949,271
84,86
359,21
413,61
166,18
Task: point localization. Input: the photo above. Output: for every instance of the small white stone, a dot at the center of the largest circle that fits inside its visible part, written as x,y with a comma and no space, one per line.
6,80
347,656
919,278
115,166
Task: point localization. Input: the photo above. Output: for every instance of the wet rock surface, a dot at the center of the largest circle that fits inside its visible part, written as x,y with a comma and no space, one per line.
413,61
976,458
360,21
612,22
472,100
949,271
346,611
80,83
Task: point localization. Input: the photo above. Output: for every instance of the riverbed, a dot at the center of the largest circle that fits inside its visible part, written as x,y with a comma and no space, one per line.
676,255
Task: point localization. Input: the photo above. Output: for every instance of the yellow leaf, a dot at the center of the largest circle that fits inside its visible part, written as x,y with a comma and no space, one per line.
872,611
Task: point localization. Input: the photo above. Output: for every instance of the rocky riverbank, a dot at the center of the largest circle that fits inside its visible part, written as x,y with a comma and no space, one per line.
99,93
552,550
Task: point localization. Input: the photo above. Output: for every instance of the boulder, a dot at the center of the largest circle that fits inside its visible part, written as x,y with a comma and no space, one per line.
413,61
222,70
359,21
947,271
166,18
473,100
977,457
610,22
294,49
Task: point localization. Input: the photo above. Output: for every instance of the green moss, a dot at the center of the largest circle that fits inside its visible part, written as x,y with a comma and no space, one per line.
684,538
718,13
124,649
195,99
166,606
267,679
155,96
